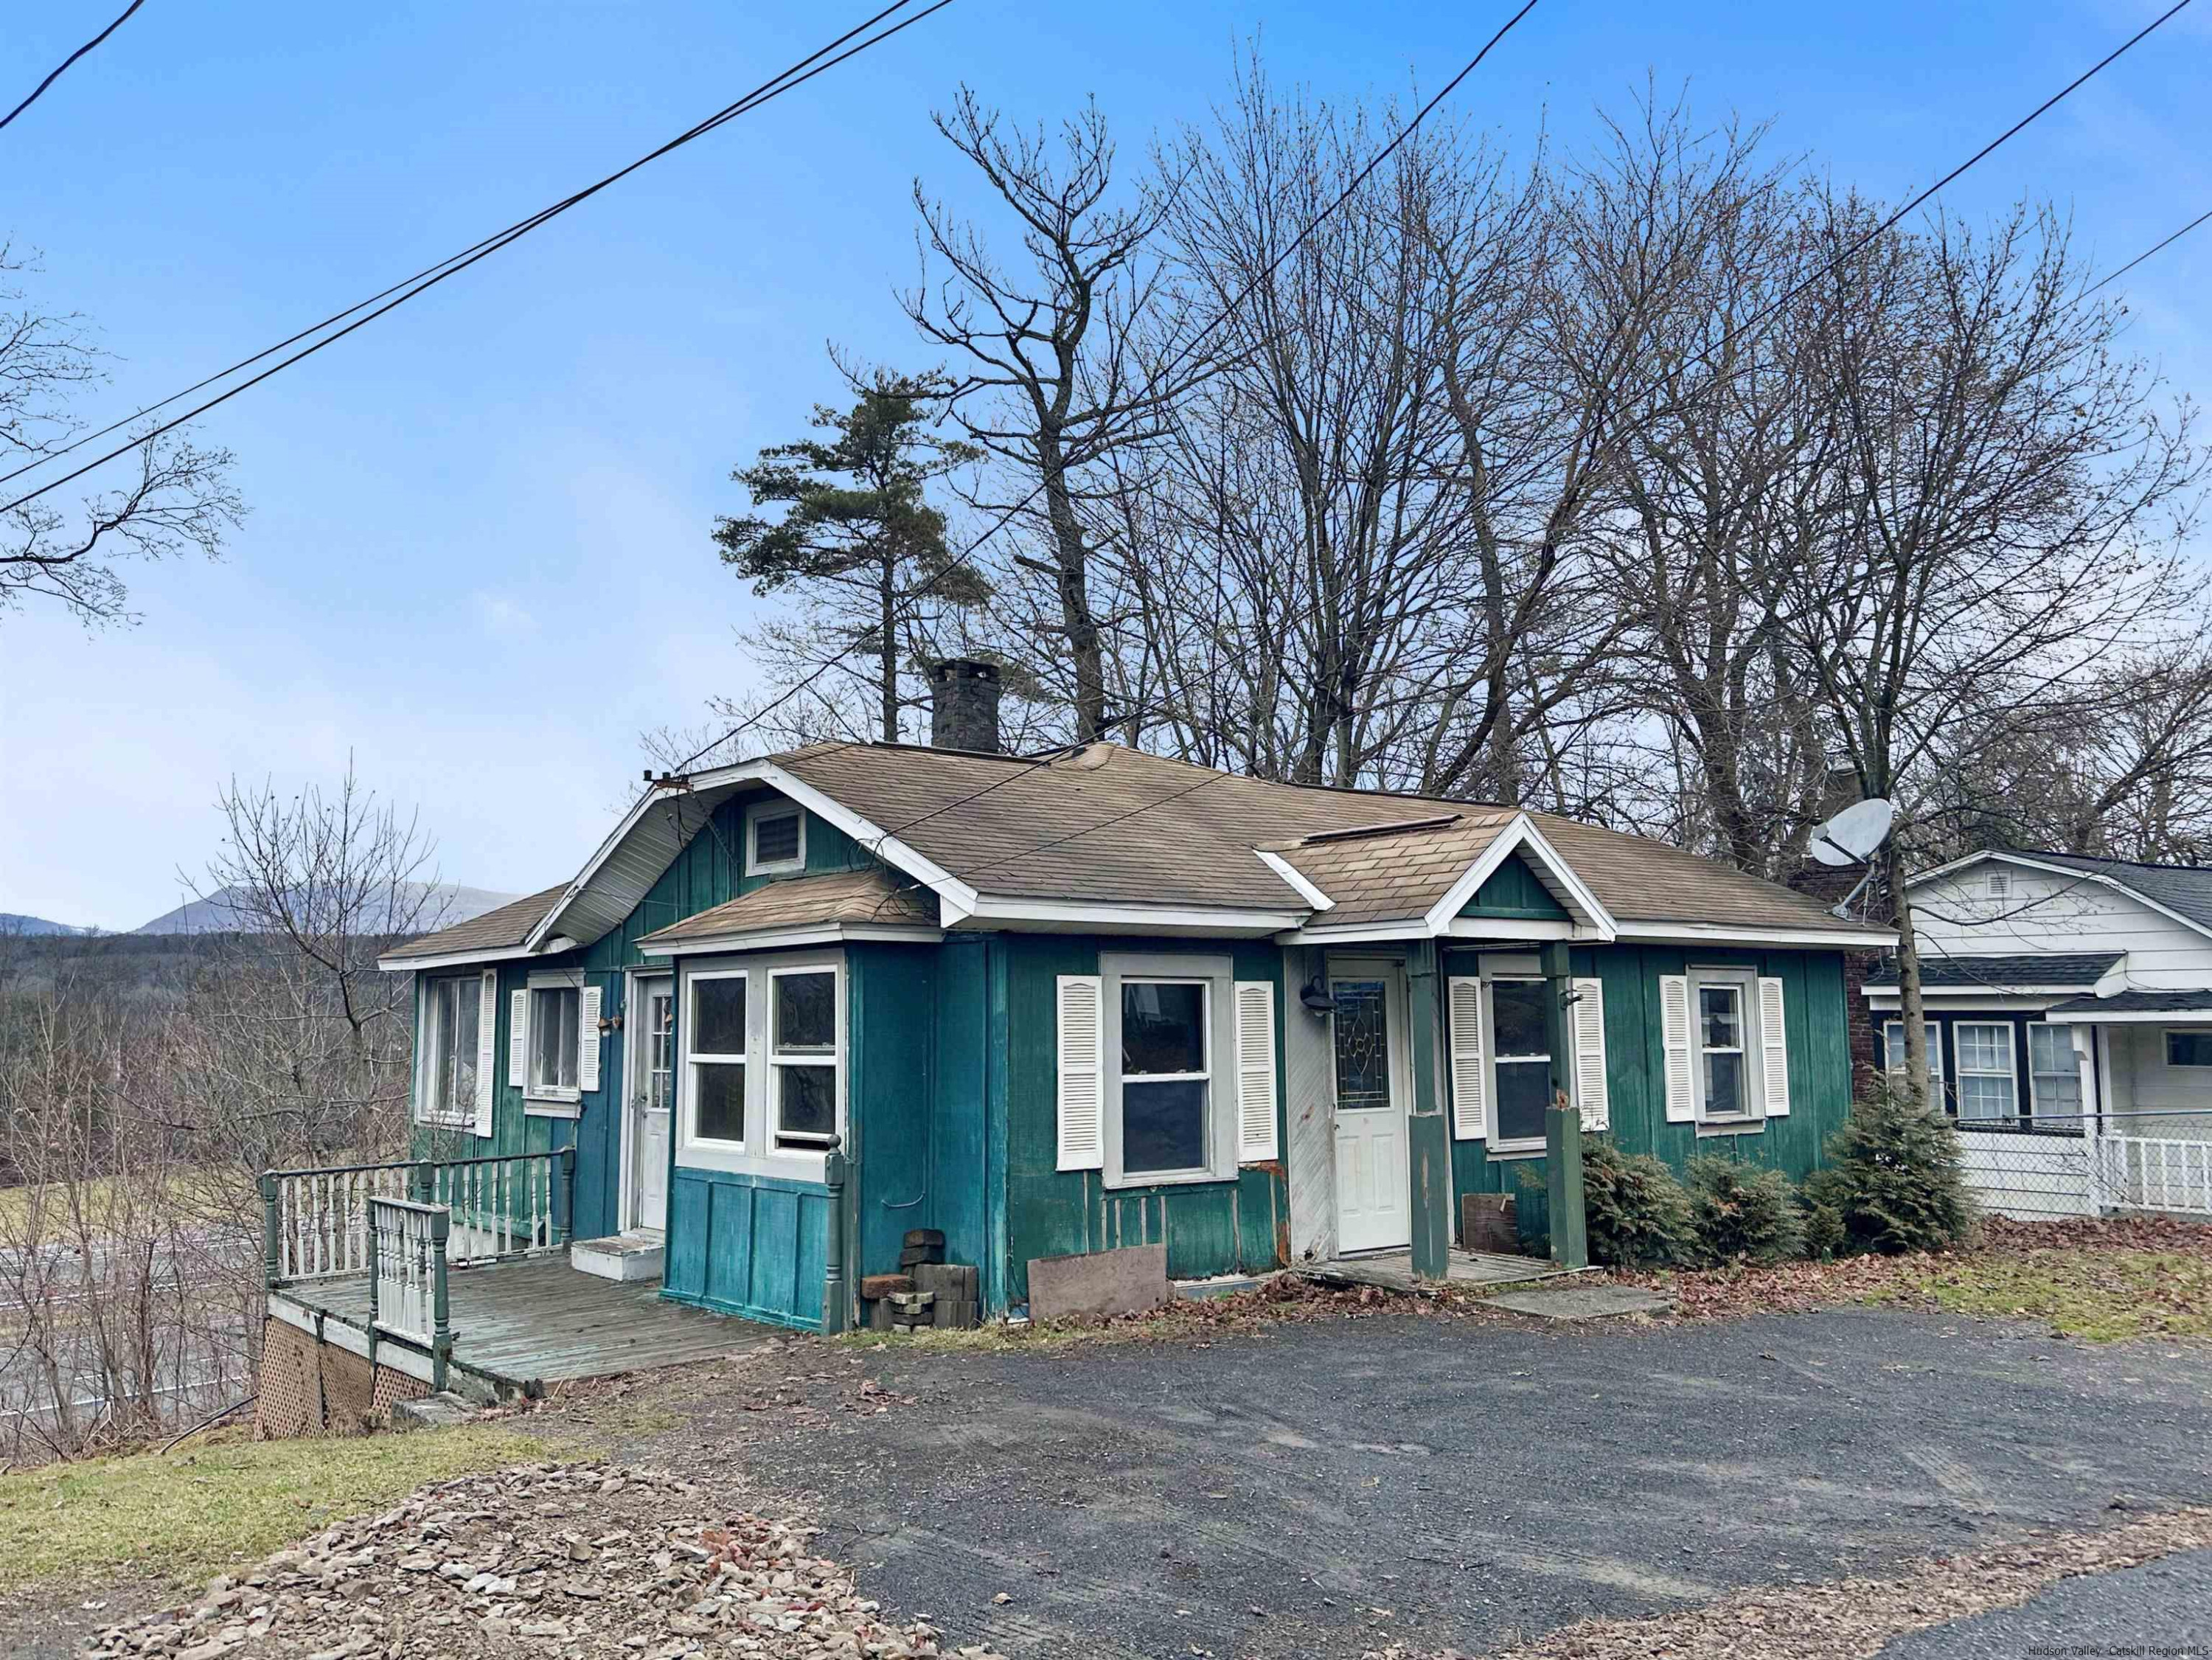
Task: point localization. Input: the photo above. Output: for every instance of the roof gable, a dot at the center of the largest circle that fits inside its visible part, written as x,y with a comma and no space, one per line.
1514,891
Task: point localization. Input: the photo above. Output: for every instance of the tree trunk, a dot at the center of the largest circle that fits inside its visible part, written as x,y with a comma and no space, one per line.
1909,1009
887,647
1070,557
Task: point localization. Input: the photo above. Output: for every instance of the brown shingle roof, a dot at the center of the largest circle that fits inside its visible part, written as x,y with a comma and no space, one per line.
1117,826
1387,875
839,897
495,930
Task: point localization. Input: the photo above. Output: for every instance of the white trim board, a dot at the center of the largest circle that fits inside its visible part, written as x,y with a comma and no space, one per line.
722,945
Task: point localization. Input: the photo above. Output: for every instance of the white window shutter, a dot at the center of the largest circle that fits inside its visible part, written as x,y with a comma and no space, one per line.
1082,1080
1256,1071
518,1040
587,1040
487,1046
1589,1055
1463,1001
1774,1038
1674,1041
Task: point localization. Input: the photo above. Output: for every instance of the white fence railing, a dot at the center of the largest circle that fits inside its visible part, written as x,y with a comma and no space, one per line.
407,1295
316,1221
2096,1165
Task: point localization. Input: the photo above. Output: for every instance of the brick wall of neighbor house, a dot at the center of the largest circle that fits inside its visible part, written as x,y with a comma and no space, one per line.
1819,1068
1208,1228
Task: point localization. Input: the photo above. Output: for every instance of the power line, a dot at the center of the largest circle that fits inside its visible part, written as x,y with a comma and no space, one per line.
1173,363
62,67
2154,248
431,276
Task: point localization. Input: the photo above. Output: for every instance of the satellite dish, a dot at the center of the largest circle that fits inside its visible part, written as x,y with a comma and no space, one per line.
1855,834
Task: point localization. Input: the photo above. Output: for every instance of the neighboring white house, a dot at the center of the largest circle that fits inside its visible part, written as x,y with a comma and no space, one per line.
2068,1002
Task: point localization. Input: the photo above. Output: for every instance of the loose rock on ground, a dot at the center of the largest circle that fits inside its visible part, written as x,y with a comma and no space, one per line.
585,1561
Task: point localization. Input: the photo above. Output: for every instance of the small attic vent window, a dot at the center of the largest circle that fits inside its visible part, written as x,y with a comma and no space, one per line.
2000,885
775,839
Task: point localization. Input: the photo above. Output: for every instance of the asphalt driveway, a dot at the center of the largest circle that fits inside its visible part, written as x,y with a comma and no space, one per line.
1329,1488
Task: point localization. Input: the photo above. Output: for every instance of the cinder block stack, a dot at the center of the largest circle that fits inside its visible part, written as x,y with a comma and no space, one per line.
926,1293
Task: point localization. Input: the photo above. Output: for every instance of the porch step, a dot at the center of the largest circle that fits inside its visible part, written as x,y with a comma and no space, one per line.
625,1256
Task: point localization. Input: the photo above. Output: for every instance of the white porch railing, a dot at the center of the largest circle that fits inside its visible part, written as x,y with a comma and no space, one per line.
316,1222
407,1292
2154,1173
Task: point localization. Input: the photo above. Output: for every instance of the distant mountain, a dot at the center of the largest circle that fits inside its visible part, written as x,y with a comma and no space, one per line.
38,927
443,905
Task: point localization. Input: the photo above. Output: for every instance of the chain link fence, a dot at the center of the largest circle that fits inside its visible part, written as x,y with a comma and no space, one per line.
2059,1165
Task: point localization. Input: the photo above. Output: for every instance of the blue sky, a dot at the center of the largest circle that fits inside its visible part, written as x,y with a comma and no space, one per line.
478,555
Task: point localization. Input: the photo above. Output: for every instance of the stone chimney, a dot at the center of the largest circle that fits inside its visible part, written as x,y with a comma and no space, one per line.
964,697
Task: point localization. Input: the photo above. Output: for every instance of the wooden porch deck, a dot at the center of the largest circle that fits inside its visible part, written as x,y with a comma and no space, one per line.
522,1325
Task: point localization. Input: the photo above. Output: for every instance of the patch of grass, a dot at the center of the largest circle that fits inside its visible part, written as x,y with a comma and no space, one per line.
201,1508
2101,1295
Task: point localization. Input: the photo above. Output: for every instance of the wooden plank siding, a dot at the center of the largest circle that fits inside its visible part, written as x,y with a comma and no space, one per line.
1512,891
1819,1069
1208,1228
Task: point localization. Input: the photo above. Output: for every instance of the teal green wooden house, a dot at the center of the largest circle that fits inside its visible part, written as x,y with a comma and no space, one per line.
1071,1003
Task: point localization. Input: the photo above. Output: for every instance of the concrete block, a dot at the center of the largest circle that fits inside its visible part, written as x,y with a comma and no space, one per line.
431,1412
1125,1281
620,1256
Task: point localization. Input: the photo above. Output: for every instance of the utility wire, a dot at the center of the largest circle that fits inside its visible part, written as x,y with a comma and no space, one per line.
431,276
1173,363
61,69
2154,248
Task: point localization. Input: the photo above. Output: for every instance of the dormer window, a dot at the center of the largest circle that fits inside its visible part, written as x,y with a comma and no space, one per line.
2000,885
775,839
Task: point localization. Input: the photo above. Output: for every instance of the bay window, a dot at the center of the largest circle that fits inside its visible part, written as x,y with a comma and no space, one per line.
761,1085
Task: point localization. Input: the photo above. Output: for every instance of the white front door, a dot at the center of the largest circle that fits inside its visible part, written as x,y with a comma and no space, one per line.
652,1094
1374,1194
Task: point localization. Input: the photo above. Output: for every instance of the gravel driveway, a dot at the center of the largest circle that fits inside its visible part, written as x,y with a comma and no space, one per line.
1332,1487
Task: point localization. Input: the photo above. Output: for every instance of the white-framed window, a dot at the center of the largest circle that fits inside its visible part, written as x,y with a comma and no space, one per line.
554,1034
717,1041
451,1033
1519,1062
2054,1075
1988,1086
1892,1052
1170,1097
775,837
553,1041
2189,1049
1166,1075
761,1078
802,1056
1725,1092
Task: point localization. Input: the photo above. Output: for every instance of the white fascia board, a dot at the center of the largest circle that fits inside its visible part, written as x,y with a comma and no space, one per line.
957,896
722,945
1520,835
1297,879
2196,1017
1714,933
1348,934
1064,916
2011,1000
1501,928
454,960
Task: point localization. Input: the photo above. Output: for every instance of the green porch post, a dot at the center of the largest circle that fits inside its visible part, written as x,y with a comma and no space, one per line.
1563,1124
1428,1143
